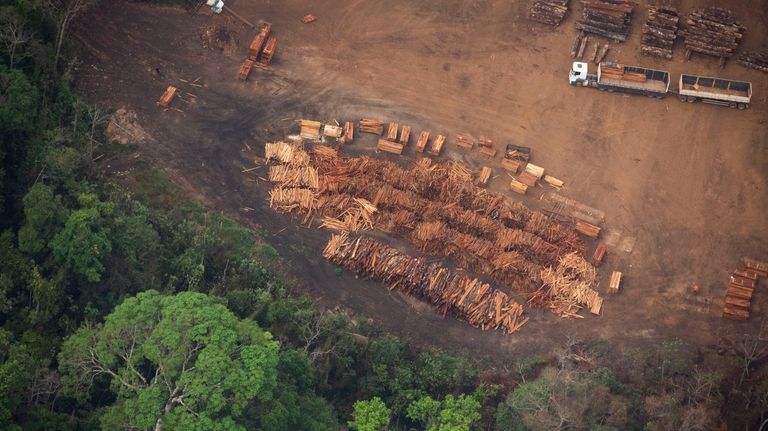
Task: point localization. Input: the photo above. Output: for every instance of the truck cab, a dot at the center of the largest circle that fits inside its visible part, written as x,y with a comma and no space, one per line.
579,74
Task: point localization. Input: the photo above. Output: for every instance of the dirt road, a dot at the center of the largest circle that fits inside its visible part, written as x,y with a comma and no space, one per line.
683,186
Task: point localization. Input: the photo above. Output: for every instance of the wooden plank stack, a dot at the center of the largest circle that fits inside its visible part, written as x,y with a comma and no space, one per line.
268,52
405,135
467,299
754,60
310,129
738,297
465,141
615,284
599,254
349,132
607,18
245,69
421,143
660,32
389,147
488,152
167,97
437,145
484,176
392,131
257,44
587,229
551,12
371,126
712,31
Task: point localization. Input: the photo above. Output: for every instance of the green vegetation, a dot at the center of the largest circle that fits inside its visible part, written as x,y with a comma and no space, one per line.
124,304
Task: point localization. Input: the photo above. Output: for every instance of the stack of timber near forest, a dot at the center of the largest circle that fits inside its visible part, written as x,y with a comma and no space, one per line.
438,208
607,18
754,60
551,12
660,32
712,31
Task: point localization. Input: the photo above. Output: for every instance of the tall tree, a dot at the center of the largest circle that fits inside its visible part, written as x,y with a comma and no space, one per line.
173,362
452,414
370,415
67,11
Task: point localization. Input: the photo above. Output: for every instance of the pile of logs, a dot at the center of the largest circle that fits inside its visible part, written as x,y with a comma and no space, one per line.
466,298
755,60
712,31
371,126
607,18
549,12
660,32
742,284
569,287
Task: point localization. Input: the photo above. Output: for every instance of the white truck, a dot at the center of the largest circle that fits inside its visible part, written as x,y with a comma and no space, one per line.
717,91
618,77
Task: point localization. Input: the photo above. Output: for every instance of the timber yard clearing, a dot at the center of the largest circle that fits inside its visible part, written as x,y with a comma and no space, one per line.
678,190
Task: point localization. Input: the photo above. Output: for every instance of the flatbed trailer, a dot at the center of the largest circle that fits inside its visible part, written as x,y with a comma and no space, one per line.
614,77
716,91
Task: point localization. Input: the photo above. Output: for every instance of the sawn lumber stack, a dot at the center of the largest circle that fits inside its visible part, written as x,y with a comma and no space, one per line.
607,18
463,297
549,12
712,31
660,32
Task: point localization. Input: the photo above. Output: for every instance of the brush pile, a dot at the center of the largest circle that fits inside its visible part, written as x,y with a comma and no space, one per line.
660,32
466,298
436,206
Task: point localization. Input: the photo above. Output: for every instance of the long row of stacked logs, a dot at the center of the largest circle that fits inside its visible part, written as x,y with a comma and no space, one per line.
712,31
435,206
608,18
660,32
466,298
551,12
755,60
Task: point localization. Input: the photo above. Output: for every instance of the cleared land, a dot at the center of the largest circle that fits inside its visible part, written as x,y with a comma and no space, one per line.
683,186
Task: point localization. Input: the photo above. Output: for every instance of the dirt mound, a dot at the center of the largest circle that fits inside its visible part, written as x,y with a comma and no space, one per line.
124,128
218,37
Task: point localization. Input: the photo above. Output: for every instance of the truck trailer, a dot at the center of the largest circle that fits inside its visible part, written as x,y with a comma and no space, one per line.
717,91
621,78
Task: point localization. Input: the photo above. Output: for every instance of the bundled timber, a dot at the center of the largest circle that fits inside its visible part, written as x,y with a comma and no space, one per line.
587,229
741,287
712,31
467,299
421,144
437,145
259,40
754,60
536,171
599,254
245,69
550,12
660,31
371,126
465,141
265,57
615,284
757,267
392,132
484,142
607,18
389,147
349,132
484,176
167,97
518,187
511,165
528,179
283,152
405,135
552,181
488,152
310,129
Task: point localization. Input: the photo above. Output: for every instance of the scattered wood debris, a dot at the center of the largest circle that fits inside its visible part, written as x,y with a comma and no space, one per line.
437,145
754,60
615,284
465,298
309,18
167,97
549,12
660,31
371,126
607,18
421,144
712,31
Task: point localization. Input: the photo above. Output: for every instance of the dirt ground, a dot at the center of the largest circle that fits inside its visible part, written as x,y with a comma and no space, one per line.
683,186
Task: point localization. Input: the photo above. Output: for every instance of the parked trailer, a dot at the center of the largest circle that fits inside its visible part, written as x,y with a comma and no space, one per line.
717,91
618,77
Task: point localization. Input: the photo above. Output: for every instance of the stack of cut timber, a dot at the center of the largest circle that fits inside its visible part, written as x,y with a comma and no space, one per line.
755,60
607,18
269,50
712,31
437,145
587,229
310,130
489,152
511,165
389,147
245,69
349,132
167,97
467,299
392,131
371,126
549,12
613,287
484,176
259,40
465,141
742,284
421,144
597,257
405,135
660,32
518,187
528,179
484,142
